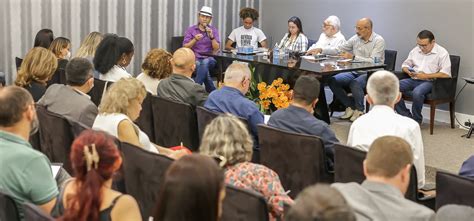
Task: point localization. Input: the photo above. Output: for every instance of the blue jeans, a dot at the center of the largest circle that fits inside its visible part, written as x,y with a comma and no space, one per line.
203,65
417,90
356,83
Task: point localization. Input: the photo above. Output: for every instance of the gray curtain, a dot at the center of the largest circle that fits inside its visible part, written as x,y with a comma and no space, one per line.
148,23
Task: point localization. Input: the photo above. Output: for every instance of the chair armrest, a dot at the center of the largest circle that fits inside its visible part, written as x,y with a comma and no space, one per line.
401,75
444,88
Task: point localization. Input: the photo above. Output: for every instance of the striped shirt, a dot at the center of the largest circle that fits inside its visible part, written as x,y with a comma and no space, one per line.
299,44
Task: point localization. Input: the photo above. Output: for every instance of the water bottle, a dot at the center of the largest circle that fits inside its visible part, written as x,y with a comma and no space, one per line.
276,54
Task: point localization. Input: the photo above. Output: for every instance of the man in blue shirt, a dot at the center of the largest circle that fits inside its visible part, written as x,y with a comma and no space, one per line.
231,98
298,117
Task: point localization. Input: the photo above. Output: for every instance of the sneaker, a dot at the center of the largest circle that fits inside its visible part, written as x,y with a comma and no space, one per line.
357,114
347,114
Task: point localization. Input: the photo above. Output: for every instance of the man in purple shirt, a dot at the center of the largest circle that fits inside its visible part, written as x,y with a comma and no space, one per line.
203,38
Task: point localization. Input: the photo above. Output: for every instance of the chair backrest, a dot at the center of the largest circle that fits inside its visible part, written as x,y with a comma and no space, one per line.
412,191
59,76
145,121
143,173
176,43
390,60
98,90
8,209
204,117
453,189
455,62
175,122
348,164
18,62
34,213
298,159
310,43
55,137
241,204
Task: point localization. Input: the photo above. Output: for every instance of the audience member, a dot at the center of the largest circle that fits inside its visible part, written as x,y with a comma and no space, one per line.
61,49
425,62
294,40
118,110
247,35
454,212
203,38
467,168
231,99
331,37
228,137
383,94
71,100
37,68
89,46
88,196
381,196
43,38
365,46
180,86
299,118
25,173
193,190
320,202
112,56
155,67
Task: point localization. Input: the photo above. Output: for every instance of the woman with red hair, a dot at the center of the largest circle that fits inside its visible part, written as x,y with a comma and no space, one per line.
89,197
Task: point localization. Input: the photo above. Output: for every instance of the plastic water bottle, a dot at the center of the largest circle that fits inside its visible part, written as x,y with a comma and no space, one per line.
276,53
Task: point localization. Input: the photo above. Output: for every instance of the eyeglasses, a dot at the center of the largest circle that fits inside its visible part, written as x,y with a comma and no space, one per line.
423,46
360,28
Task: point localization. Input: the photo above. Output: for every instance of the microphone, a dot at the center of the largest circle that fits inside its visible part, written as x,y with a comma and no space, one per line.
205,28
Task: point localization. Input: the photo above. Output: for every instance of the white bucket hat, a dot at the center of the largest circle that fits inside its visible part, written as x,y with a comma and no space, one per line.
205,10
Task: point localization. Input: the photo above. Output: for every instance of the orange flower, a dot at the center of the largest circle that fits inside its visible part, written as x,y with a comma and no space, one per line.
262,86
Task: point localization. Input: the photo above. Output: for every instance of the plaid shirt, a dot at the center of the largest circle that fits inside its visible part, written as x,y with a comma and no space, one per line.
300,44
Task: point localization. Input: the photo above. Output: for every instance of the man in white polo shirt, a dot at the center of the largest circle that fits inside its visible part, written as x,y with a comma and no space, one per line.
425,62
331,37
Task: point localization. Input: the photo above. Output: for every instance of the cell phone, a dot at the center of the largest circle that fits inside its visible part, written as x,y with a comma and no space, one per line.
412,70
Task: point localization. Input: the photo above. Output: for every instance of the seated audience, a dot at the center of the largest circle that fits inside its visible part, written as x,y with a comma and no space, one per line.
320,202
381,120
365,46
294,40
71,100
43,38
381,196
112,56
203,38
425,63
467,168
89,46
118,110
299,118
454,212
61,49
180,86
37,68
155,67
331,37
247,35
228,137
25,173
89,196
193,190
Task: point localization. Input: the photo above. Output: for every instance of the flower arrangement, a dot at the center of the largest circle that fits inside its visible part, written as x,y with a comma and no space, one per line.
273,96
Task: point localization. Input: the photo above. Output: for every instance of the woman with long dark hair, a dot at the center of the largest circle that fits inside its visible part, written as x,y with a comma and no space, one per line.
193,190
112,56
294,40
89,197
43,38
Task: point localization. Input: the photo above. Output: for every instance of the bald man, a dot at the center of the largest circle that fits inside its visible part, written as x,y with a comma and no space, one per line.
365,46
180,86
231,99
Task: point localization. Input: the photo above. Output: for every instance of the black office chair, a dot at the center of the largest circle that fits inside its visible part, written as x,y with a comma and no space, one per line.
453,189
176,43
34,213
348,164
204,117
310,43
241,204
298,159
8,209
18,62
99,89
145,121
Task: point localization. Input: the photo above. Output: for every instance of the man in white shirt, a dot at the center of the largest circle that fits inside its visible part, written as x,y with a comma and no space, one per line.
381,120
365,46
247,35
425,62
331,37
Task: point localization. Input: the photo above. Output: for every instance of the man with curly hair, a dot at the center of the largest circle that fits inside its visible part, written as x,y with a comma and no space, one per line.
247,35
